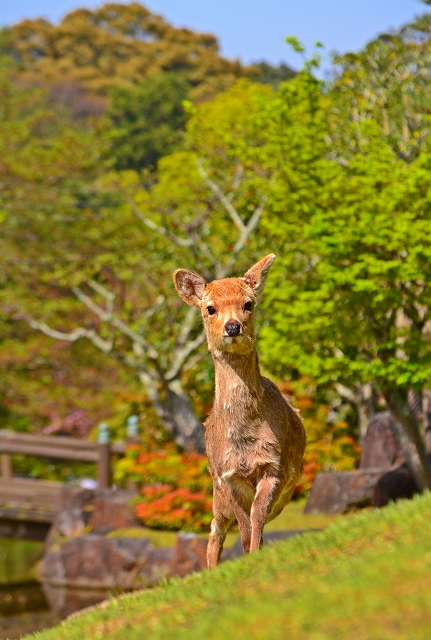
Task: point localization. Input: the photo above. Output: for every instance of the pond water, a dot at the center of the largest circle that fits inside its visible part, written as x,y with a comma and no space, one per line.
26,608
26,605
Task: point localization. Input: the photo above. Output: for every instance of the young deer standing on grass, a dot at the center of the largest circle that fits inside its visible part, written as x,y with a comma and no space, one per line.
254,438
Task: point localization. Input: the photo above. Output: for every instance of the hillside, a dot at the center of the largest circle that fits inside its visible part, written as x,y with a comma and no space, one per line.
120,45
366,577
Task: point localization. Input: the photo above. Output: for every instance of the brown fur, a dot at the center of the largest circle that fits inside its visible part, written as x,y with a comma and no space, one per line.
254,438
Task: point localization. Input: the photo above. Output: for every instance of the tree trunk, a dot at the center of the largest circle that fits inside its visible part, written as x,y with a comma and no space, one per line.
176,413
188,429
363,397
366,406
410,437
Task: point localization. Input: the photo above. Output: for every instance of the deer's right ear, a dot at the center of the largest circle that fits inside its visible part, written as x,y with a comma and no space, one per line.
190,286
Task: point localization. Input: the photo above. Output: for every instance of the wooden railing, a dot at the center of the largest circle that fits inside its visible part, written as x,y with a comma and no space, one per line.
58,448
33,500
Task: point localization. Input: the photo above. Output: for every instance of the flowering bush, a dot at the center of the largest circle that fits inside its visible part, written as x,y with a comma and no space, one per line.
176,487
166,466
162,507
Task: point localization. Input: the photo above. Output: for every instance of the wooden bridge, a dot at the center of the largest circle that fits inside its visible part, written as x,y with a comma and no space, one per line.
27,506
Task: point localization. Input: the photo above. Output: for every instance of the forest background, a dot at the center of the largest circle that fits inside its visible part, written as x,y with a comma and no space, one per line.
130,148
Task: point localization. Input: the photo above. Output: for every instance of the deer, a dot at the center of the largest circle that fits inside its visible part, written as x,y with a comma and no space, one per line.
254,437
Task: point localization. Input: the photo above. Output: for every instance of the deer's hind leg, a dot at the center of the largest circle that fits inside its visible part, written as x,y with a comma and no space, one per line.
223,518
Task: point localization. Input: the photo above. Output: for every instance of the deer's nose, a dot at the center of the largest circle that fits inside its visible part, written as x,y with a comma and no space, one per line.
232,328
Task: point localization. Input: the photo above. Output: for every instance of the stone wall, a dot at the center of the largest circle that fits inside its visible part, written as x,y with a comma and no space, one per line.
79,554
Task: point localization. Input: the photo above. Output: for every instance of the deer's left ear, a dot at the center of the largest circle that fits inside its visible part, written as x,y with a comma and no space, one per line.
257,275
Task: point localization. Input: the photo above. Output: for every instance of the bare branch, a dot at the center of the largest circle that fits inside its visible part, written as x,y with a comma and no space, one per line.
245,234
187,325
237,181
221,196
90,304
103,291
106,346
181,242
72,336
181,356
345,392
114,321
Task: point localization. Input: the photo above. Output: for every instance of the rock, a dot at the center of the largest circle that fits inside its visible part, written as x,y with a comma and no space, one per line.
381,447
111,510
96,562
189,554
394,485
268,538
72,511
343,491
99,510
158,565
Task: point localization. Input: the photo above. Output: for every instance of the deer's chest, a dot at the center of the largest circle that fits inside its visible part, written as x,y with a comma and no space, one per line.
245,458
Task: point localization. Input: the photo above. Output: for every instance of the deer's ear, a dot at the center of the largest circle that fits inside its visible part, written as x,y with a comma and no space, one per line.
190,286
257,275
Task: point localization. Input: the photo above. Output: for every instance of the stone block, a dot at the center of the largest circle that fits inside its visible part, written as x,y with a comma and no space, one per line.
381,447
111,510
99,510
96,562
189,554
395,484
158,565
343,491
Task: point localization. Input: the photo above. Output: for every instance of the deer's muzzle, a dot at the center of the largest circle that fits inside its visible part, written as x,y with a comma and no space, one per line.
232,328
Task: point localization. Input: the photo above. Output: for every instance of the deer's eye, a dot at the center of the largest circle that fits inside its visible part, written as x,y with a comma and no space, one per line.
211,310
248,306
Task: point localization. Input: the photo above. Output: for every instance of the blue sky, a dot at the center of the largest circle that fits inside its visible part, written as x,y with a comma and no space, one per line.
255,29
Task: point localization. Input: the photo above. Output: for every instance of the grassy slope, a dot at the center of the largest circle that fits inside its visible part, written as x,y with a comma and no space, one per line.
364,578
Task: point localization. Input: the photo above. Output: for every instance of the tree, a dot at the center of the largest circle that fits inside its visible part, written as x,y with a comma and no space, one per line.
148,120
388,82
199,210
119,45
352,303
47,168
272,74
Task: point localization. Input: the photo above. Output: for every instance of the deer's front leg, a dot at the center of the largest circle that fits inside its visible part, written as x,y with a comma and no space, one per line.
259,509
223,518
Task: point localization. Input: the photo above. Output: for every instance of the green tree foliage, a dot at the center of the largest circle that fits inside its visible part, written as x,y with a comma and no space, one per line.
46,167
119,45
352,303
388,82
148,120
272,74
109,276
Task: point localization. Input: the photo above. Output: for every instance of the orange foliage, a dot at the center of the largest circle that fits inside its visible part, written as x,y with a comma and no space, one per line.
176,491
330,445
163,507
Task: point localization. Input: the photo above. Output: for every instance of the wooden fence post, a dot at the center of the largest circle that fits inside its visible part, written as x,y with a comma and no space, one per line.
104,462
6,466
132,437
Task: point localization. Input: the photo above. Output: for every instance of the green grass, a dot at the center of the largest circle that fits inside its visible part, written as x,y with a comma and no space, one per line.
366,577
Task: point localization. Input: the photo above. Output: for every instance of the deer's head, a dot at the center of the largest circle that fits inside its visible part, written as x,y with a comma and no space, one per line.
226,305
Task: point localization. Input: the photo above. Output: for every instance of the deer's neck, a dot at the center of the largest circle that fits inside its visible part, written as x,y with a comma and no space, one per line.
238,383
